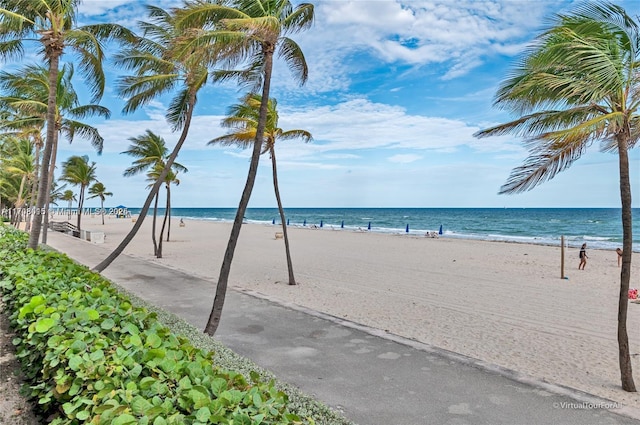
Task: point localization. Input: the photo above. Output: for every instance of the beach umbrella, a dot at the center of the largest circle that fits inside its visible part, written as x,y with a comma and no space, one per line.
407,228
305,222
287,222
320,223
369,226
342,225
440,231
273,221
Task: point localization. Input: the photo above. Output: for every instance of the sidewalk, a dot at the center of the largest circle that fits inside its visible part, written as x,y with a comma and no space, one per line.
373,377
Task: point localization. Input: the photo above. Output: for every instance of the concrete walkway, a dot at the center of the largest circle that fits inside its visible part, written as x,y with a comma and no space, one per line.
374,378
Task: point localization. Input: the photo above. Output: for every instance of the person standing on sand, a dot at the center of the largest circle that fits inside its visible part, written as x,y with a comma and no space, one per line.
583,257
619,252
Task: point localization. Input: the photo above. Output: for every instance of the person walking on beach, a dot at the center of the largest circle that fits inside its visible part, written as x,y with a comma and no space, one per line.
619,252
583,257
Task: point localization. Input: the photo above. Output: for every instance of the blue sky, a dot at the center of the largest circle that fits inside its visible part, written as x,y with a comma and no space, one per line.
395,92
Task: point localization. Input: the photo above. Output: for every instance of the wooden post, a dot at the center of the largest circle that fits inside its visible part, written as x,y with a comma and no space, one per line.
562,257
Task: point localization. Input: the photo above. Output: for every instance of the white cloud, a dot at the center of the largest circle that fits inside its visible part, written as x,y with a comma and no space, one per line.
405,158
462,33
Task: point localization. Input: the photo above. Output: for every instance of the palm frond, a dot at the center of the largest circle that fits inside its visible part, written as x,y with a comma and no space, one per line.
292,54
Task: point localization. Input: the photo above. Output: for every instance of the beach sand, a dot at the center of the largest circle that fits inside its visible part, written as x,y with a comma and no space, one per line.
503,303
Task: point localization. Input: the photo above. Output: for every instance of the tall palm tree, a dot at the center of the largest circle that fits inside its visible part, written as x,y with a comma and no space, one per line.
243,119
68,196
158,70
151,153
51,24
97,190
576,85
77,171
253,30
27,93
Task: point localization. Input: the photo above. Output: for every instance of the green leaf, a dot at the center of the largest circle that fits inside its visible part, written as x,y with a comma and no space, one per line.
75,362
241,419
135,340
96,355
153,341
136,371
131,328
124,419
140,406
44,324
203,414
107,324
147,382
82,415
93,314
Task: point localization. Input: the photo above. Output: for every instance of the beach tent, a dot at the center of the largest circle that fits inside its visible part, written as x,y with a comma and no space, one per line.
121,211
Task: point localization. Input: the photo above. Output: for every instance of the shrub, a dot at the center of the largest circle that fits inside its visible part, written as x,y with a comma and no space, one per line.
90,356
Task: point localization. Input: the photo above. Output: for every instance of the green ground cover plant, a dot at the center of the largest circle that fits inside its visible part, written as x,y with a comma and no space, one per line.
91,356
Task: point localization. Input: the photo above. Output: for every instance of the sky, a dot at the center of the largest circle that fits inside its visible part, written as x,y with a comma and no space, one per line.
396,91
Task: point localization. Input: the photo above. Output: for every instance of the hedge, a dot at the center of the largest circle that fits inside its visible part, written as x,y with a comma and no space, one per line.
90,356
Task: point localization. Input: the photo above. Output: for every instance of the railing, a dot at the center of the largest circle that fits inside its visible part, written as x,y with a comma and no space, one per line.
64,227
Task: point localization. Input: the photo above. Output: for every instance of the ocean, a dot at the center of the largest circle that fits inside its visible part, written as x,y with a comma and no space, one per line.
601,228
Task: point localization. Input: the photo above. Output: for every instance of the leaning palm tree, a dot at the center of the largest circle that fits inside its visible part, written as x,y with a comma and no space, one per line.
248,33
151,153
78,172
97,190
158,70
576,85
243,119
51,25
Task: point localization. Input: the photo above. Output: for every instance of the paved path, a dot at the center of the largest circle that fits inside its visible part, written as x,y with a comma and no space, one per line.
372,377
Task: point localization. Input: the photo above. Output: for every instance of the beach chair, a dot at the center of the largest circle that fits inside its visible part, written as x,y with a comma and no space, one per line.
279,235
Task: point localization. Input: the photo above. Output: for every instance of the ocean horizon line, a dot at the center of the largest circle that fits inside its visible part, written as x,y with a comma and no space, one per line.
400,207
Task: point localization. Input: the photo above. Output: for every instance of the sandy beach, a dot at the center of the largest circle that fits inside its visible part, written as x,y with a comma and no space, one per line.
503,303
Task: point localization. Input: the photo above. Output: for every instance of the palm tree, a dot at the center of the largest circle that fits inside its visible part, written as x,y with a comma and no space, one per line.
253,30
158,70
99,191
78,172
171,177
52,23
578,84
243,118
17,162
57,192
151,153
27,93
68,196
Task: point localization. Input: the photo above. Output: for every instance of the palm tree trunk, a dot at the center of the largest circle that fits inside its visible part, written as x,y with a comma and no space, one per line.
626,374
80,205
223,279
153,226
292,279
164,224
154,190
52,169
36,182
102,210
54,60
168,212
